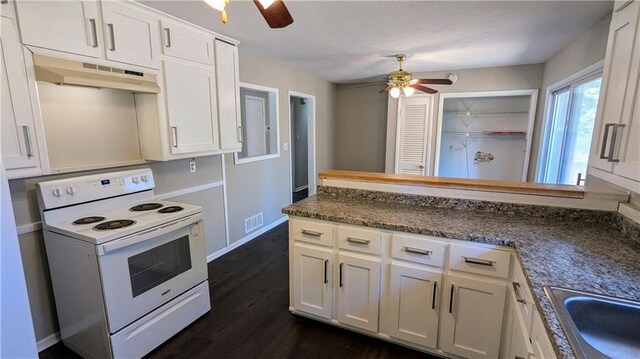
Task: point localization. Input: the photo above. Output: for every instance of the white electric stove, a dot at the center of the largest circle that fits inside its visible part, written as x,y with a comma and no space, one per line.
128,271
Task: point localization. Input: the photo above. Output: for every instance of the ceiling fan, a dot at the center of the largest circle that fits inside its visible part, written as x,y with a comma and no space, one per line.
401,80
275,12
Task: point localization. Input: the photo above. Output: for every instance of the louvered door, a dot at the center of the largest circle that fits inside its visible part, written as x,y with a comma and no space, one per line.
413,124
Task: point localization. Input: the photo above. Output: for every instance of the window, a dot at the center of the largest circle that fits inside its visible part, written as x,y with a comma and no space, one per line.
569,128
259,116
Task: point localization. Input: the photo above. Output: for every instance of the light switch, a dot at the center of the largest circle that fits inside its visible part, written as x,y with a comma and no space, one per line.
285,146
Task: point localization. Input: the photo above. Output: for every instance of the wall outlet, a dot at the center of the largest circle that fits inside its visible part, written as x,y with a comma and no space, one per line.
192,166
252,223
285,146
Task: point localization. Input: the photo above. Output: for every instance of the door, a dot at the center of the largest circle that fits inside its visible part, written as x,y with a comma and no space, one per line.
145,270
616,98
19,148
312,284
191,108
131,35
186,43
414,304
255,125
228,95
359,291
472,324
69,26
413,121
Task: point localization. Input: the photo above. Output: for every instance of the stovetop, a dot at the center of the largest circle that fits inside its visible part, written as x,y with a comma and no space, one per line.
107,225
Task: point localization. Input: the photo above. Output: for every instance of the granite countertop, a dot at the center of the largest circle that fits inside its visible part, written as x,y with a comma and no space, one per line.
584,252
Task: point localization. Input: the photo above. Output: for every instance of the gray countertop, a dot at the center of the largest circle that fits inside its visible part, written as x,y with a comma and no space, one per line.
584,252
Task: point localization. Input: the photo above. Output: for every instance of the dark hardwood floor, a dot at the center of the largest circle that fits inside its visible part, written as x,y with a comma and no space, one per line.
249,315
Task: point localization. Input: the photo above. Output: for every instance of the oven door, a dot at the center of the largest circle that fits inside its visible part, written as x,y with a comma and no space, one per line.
142,271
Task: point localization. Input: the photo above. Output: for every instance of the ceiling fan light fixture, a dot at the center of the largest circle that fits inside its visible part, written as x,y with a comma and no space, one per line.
408,91
266,3
394,92
216,4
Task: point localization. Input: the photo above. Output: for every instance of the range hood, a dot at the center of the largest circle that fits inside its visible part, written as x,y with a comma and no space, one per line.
67,72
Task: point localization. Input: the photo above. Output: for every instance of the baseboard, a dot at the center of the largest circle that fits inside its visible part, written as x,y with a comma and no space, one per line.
246,239
46,342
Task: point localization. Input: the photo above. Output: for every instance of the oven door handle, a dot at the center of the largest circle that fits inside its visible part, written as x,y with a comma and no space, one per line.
147,234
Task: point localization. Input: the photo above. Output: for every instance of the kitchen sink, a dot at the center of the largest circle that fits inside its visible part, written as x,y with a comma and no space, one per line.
597,326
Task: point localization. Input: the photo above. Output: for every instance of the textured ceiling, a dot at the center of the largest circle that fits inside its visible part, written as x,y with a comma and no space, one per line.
347,41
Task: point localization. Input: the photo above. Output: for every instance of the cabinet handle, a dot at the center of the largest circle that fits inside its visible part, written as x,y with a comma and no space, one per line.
326,263
240,134
94,32
451,299
4,2
482,262
168,32
423,252
605,139
516,291
311,233
358,240
518,357
174,133
341,274
614,137
112,37
435,290
26,130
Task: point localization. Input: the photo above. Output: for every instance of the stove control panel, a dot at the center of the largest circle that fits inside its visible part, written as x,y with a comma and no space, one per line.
70,191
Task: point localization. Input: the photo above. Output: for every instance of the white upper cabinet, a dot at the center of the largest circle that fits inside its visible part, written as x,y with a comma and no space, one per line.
70,26
187,43
130,34
228,96
359,291
19,145
190,93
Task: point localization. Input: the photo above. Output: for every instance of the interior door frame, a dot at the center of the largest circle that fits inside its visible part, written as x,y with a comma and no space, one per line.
311,143
533,102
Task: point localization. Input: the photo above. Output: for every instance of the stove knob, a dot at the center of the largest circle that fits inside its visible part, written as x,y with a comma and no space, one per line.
71,190
57,192
135,179
144,178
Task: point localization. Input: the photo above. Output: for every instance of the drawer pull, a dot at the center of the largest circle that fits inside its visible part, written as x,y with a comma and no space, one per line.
516,291
94,32
424,252
612,148
168,37
358,240
26,131
112,37
312,233
451,299
435,290
341,274
482,262
326,279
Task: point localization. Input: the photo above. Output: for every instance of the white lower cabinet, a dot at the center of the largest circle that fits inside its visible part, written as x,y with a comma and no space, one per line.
359,290
542,347
472,324
312,284
519,346
413,304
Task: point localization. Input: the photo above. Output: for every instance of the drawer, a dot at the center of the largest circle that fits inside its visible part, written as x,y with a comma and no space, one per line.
313,232
359,239
422,250
479,260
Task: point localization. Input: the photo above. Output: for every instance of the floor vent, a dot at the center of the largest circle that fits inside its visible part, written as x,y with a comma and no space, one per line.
252,223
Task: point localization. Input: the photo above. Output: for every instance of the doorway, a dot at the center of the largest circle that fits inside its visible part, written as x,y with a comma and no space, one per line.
301,121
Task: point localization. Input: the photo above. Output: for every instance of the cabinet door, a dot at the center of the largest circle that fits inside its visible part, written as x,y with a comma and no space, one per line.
185,43
191,109
19,150
542,347
359,291
519,345
615,96
228,95
413,304
629,149
7,9
69,26
472,323
312,282
131,35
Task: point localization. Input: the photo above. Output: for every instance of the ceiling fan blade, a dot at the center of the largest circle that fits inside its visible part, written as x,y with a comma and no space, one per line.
389,87
368,84
433,81
424,88
277,15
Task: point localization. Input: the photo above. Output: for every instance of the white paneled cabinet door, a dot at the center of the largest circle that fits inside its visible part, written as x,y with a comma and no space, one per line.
69,26
131,36
413,304
616,95
228,95
19,147
412,132
191,108
187,43
312,282
472,323
358,291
